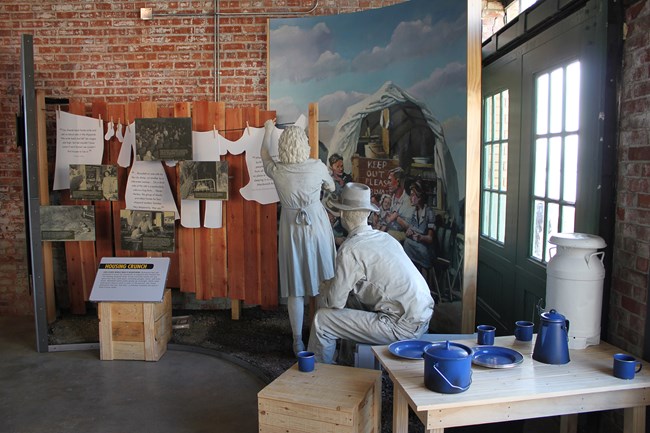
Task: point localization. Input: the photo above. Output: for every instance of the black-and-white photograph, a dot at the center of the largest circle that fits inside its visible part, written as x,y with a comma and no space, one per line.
68,223
93,182
142,230
204,180
165,138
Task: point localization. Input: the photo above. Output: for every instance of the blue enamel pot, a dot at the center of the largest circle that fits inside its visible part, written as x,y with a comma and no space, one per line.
447,367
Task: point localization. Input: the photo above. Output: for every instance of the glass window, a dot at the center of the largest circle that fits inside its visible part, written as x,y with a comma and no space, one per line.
557,106
494,184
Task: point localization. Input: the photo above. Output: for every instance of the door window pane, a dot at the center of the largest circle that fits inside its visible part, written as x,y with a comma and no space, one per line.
552,226
494,184
487,166
540,167
557,99
541,107
570,168
568,218
538,229
573,97
487,110
554,167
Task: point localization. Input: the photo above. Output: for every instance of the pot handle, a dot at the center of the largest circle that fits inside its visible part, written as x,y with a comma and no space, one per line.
589,256
435,367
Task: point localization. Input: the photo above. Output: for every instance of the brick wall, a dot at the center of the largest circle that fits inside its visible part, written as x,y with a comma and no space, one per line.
90,50
632,248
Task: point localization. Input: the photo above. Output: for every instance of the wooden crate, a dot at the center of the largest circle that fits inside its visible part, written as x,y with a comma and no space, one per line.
135,330
330,399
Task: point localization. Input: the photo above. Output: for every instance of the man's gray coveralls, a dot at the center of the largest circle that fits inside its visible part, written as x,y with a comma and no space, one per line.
387,298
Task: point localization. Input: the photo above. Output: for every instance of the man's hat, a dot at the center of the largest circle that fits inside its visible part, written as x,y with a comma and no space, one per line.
354,196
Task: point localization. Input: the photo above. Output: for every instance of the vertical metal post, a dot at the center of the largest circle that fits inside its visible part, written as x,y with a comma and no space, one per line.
32,203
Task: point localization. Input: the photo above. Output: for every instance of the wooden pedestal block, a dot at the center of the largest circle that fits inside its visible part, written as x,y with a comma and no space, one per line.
135,330
330,399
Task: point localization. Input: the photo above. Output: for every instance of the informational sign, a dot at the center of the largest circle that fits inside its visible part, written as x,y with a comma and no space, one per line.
79,140
130,279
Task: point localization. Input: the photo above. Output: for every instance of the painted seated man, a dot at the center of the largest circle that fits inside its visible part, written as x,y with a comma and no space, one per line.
377,295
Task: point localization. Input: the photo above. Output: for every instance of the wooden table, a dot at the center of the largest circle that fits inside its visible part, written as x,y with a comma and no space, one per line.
529,390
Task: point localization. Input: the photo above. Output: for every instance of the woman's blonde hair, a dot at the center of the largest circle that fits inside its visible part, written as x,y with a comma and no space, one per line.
293,146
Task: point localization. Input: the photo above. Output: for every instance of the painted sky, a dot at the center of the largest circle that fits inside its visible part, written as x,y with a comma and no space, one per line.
419,45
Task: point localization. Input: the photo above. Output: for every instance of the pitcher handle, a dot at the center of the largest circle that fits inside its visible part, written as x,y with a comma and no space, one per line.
435,367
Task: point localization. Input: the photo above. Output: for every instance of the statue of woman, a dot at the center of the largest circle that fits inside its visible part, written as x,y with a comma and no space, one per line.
306,249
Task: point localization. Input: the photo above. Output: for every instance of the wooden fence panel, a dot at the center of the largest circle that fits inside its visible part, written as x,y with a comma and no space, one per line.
238,261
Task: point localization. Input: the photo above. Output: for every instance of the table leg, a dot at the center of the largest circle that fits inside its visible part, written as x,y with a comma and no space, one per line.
569,423
634,420
400,411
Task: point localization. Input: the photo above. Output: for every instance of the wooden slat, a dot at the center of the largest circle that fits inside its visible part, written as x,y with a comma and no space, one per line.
252,267
149,110
80,256
44,200
105,331
473,158
197,240
149,331
269,244
235,211
203,115
219,237
117,111
132,111
174,273
183,271
313,130
167,112
313,153
104,246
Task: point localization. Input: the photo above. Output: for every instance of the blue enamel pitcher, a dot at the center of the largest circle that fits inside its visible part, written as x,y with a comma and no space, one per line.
552,344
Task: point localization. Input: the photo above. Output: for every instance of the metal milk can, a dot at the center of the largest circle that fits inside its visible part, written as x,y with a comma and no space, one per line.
574,285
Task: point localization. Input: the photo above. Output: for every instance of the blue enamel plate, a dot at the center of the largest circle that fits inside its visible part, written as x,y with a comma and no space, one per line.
496,357
409,349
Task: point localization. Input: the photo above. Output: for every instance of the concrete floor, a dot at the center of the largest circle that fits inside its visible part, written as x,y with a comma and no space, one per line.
74,391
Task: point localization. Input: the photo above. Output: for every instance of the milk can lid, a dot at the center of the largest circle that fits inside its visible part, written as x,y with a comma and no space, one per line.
577,240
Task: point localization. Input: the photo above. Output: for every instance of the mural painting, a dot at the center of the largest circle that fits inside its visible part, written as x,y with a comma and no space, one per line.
391,88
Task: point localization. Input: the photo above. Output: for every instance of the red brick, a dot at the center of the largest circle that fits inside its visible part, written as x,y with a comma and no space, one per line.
639,153
631,305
